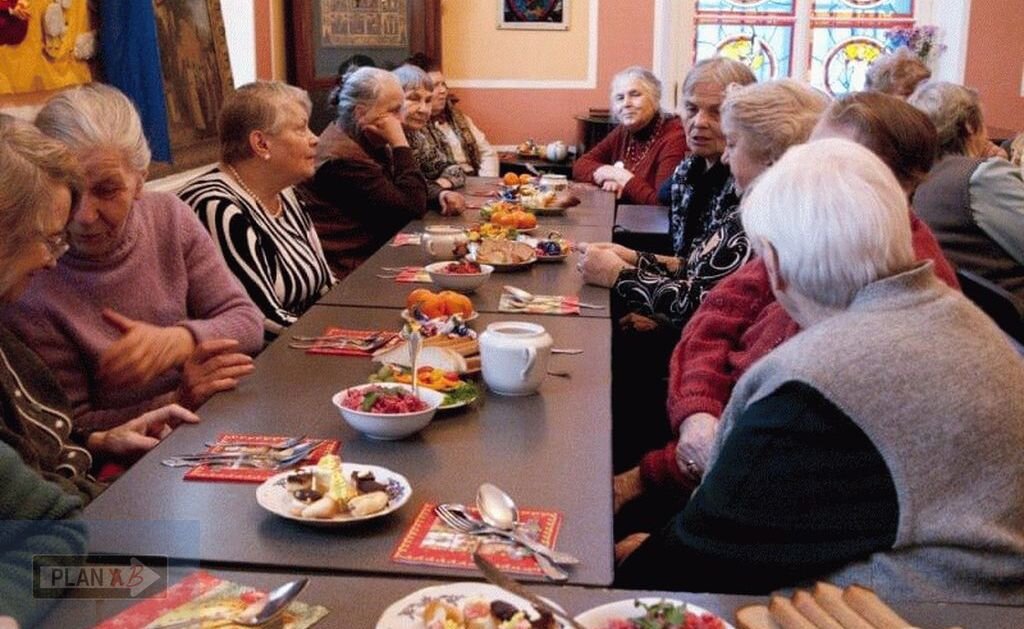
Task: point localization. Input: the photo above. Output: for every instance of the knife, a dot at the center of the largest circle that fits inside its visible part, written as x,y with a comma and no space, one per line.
497,577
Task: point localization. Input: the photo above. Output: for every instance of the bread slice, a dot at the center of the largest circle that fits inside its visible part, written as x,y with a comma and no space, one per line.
755,617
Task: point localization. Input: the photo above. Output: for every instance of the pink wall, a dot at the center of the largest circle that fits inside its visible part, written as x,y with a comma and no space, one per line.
510,116
995,58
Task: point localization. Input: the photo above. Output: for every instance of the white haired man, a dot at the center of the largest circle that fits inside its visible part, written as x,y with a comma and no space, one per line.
881,444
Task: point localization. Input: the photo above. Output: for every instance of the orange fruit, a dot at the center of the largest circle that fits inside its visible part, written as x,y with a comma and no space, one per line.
525,179
511,179
505,219
456,303
434,306
525,220
417,296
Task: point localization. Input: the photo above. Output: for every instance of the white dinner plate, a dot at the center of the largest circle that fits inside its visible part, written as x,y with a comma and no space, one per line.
407,613
273,495
598,617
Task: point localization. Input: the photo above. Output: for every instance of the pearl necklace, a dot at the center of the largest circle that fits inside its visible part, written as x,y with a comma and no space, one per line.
256,197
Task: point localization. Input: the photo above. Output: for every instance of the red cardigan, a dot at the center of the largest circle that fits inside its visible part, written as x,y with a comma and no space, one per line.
738,323
649,173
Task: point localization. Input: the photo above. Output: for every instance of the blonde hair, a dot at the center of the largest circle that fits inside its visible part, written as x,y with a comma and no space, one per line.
775,115
33,167
252,107
836,217
96,116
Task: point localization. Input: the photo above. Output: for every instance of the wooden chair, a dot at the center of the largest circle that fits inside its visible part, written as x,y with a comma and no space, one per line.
1005,309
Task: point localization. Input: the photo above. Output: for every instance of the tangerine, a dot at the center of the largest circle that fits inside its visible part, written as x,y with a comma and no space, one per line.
504,219
510,179
526,221
456,303
525,179
434,307
417,296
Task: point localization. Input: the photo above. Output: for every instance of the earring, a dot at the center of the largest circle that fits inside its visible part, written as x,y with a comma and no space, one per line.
266,156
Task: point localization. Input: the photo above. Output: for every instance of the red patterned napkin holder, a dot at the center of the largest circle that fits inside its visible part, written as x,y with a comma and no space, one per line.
248,474
341,333
429,542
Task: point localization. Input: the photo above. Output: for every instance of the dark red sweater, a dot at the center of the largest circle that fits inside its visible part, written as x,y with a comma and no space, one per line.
649,173
738,323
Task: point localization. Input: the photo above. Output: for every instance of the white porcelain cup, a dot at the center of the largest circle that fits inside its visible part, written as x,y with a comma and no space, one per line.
514,356
444,242
557,151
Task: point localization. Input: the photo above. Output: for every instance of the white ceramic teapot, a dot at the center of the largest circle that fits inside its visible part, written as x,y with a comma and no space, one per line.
514,356
444,242
557,151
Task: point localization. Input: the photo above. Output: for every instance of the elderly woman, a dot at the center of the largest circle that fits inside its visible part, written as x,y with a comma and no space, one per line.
897,73
40,184
442,173
454,130
249,207
641,153
777,507
141,312
740,320
974,202
367,181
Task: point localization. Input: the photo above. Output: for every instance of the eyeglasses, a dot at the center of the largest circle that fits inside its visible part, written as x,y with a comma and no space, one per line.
57,244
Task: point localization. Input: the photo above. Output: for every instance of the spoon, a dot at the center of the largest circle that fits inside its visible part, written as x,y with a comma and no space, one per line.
499,510
525,297
277,601
415,339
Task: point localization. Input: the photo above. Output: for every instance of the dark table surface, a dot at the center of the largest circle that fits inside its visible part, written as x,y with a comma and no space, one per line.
647,219
364,288
551,450
358,602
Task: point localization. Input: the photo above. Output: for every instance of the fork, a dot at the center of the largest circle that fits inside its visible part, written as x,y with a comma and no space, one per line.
290,443
280,459
463,524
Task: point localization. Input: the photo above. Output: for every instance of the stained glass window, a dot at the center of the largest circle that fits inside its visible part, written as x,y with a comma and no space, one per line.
865,8
844,36
774,7
765,47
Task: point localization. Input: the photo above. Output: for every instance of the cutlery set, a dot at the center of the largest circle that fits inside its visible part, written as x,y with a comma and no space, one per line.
366,343
271,458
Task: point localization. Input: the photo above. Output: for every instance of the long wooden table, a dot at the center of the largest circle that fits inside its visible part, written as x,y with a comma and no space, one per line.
551,451
358,602
364,288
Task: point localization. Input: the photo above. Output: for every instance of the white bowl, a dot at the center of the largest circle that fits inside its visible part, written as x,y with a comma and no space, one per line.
389,426
464,282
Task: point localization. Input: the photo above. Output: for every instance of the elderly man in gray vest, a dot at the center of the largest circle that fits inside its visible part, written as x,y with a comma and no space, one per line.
882,444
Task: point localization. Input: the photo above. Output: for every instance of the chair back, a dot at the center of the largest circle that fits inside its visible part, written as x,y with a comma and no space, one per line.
998,303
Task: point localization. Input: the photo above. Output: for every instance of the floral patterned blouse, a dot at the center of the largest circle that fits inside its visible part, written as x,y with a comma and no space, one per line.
707,236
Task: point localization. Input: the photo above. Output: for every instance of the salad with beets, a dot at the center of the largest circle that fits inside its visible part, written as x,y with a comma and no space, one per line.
665,615
383,400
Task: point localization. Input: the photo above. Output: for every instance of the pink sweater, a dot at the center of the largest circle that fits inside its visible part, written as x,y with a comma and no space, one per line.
166,272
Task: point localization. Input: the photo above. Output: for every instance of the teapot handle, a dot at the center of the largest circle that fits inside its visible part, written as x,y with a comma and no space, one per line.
429,242
531,358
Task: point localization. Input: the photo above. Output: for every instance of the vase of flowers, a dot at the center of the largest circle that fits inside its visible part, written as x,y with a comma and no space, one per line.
921,40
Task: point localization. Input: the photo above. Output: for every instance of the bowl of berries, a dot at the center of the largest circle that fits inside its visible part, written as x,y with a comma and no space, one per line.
463,276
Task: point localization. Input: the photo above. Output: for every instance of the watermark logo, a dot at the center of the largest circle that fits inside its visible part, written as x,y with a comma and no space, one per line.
98,576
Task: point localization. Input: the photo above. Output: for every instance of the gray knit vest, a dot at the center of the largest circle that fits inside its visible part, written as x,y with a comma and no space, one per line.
943,201
939,391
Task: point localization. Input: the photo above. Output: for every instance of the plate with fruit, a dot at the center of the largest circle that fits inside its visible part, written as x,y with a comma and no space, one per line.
333,493
424,305
652,613
457,392
461,606
464,275
554,248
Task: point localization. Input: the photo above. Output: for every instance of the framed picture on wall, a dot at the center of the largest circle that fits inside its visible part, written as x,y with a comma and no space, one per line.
534,14
197,78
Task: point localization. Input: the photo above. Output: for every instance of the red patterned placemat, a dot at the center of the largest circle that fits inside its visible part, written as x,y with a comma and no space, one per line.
248,474
404,239
325,347
200,595
430,542
411,274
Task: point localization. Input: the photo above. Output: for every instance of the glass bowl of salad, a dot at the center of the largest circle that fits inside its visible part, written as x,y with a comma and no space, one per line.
387,411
